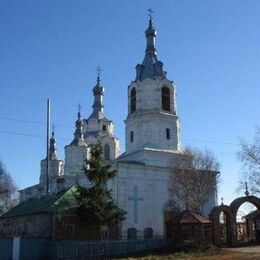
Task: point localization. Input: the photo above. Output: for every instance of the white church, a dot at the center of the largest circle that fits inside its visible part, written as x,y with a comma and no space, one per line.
152,144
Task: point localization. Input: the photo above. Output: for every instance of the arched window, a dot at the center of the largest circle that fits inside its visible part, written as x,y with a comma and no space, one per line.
131,233
133,100
148,233
107,152
166,99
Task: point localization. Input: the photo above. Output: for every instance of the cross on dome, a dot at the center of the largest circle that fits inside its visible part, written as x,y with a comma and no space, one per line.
150,13
53,130
246,192
79,110
98,71
79,107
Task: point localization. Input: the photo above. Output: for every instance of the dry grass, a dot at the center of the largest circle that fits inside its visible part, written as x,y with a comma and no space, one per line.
210,254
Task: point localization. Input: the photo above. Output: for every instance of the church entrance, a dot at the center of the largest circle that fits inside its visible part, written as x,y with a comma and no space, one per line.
170,210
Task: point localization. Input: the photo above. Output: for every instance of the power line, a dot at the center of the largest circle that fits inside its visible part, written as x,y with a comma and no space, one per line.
28,135
67,139
208,141
20,120
30,121
23,134
120,132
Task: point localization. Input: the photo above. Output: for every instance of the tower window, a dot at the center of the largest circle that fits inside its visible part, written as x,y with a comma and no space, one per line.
131,136
168,134
166,99
104,128
133,100
107,152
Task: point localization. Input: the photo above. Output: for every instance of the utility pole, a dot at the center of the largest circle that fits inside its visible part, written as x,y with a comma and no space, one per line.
48,145
117,200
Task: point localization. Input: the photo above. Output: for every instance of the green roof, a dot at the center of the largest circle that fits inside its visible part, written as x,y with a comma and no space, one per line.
62,202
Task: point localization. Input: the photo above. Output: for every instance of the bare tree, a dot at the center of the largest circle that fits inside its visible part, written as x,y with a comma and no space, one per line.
249,155
8,190
194,178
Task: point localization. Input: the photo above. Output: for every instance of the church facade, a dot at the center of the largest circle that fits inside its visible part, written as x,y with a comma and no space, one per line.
152,146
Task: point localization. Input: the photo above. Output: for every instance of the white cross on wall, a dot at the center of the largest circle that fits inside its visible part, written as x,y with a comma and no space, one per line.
136,199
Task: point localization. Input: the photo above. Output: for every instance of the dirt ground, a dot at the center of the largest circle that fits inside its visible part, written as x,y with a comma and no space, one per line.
239,253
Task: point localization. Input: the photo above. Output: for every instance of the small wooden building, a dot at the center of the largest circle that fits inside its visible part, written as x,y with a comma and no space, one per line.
190,229
253,226
52,216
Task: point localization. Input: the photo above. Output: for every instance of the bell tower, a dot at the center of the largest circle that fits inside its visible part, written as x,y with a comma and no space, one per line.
152,121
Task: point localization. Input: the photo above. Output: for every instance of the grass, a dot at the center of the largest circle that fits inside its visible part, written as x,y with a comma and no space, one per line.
212,253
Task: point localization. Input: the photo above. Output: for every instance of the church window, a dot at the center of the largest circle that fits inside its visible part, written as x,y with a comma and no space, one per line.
107,152
104,128
133,100
168,133
166,99
148,233
132,233
131,136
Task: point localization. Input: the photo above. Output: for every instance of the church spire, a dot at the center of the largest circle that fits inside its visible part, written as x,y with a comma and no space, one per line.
53,150
151,67
150,34
98,92
78,134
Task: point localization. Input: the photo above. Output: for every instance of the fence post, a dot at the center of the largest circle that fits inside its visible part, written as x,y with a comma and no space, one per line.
16,248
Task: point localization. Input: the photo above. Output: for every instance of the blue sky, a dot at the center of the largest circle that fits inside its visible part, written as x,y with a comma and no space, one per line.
211,49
